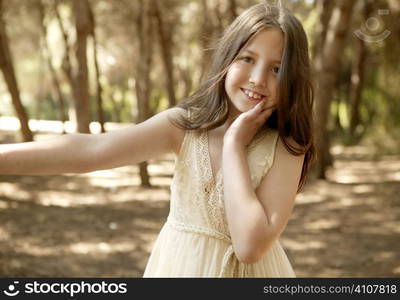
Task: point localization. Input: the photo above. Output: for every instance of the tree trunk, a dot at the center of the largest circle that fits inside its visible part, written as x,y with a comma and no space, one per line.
327,72
187,81
165,38
324,10
357,77
66,64
219,27
117,108
53,73
232,9
7,68
143,67
81,98
99,89
206,36
357,80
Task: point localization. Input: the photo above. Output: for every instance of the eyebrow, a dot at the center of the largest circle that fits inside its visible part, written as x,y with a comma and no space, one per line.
255,54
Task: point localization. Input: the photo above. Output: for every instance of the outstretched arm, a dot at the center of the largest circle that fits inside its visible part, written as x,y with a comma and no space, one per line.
79,153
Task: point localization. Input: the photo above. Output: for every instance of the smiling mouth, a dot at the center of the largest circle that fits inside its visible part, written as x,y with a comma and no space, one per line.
252,95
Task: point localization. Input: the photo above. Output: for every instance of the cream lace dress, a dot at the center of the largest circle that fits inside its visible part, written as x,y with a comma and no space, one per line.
195,240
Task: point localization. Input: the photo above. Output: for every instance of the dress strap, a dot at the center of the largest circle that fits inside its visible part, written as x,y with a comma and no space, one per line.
186,140
271,156
261,155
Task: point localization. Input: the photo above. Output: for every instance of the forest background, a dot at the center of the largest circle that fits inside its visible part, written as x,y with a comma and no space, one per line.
94,66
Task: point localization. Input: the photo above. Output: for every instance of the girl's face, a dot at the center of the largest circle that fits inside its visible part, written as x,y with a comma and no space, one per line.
253,75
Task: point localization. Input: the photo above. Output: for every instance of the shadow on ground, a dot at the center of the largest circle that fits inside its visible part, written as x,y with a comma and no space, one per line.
102,224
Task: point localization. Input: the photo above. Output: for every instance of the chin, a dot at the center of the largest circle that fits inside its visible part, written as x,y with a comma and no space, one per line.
236,110
240,105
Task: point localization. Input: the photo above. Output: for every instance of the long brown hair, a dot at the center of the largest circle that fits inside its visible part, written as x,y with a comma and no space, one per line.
208,105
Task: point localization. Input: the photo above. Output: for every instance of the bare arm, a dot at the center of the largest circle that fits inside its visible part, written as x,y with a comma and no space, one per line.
79,153
256,218
53,156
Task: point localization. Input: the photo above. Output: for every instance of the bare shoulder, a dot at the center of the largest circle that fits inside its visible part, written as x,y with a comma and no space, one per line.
283,155
177,133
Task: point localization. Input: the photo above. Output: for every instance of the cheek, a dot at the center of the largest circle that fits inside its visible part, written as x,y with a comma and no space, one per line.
273,85
235,75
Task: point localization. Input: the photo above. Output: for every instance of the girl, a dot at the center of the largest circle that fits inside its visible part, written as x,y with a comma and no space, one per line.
243,146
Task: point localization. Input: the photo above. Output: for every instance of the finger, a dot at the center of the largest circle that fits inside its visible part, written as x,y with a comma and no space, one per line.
259,107
270,107
254,112
265,114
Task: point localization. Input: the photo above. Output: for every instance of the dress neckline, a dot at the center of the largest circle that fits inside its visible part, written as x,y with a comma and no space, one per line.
214,177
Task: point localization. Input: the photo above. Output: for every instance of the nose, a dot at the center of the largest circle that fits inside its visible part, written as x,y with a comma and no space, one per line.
258,76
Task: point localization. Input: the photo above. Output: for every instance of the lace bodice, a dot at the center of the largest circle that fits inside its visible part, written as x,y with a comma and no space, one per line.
195,240
197,202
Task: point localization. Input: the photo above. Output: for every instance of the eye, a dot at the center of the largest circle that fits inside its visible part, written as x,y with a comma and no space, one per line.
246,59
276,70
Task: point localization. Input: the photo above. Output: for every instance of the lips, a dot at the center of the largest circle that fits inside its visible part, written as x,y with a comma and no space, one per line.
253,95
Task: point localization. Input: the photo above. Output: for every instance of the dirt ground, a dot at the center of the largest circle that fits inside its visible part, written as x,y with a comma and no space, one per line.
101,224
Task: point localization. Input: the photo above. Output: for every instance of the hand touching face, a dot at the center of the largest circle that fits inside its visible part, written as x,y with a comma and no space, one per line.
246,125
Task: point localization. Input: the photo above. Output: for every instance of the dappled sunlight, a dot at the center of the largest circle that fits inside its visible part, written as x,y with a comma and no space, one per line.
302,246
12,124
374,217
351,201
36,250
365,171
394,176
381,227
92,248
322,224
384,255
56,198
75,224
363,189
110,179
158,169
393,226
107,186
351,176
349,222
396,270
160,175
101,248
310,260
71,199
329,272
4,234
161,181
387,168
142,195
350,151
11,190
322,188
345,202
309,198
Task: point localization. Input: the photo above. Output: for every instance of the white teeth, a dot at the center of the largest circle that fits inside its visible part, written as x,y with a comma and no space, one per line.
252,94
